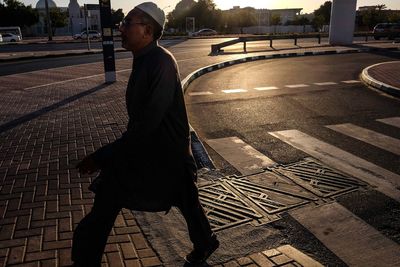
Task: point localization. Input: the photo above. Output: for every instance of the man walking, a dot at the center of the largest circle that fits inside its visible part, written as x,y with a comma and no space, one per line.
151,167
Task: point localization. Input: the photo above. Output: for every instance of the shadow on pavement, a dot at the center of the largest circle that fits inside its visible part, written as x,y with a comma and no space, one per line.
33,115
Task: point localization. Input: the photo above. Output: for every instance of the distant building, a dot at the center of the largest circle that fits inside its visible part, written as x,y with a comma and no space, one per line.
76,18
264,15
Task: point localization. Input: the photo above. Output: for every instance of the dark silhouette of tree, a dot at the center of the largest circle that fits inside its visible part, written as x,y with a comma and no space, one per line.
58,19
15,13
372,16
324,11
117,16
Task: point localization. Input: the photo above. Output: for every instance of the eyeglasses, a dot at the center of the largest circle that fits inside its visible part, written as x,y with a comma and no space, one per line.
127,22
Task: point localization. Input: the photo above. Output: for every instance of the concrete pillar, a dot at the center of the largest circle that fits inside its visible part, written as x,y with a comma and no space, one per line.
343,16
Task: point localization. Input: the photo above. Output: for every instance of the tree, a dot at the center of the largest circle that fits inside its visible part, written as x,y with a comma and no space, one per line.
177,18
275,20
243,17
117,16
204,11
15,13
324,12
300,20
373,16
58,19
318,22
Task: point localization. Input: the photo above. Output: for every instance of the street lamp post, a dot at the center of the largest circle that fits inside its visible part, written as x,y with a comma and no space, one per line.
87,14
49,33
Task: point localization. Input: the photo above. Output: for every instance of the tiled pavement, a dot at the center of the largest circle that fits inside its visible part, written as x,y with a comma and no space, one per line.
44,131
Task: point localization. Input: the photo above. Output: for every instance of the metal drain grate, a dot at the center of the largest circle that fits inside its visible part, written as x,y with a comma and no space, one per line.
260,198
270,200
317,178
224,208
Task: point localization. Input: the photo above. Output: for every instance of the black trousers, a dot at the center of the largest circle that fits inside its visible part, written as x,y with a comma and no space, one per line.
90,236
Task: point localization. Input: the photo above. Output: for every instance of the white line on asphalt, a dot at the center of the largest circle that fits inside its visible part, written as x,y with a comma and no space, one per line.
266,88
200,93
70,80
395,121
80,78
354,241
240,155
384,180
296,85
376,139
325,83
233,91
351,81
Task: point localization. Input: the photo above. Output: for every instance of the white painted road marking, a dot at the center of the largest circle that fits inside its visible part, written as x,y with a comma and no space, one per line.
395,121
325,83
233,91
376,139
346,235
200,93
351,81
266,88
384,180
240,155
296,85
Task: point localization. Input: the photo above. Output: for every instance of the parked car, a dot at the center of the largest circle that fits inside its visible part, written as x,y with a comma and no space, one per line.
205,32
92,35
10,37
1,38
389,30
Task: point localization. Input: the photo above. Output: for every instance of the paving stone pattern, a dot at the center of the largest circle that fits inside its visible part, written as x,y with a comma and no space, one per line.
389,73
42,195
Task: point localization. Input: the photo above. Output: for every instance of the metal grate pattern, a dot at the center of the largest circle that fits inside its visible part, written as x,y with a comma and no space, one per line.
260,198
317,178
224,208
270,200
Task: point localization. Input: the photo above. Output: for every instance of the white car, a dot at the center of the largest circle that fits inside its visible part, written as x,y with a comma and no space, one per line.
92,35
205,32
1,38
10,37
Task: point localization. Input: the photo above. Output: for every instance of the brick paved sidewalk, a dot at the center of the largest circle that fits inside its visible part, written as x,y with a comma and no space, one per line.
388,73
42,196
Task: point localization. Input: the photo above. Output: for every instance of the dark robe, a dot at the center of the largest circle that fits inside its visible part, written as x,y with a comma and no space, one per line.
146,168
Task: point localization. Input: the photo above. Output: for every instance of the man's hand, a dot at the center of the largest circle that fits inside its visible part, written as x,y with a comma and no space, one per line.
87,165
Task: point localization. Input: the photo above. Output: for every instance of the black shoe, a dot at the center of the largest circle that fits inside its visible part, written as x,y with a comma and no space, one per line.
198,256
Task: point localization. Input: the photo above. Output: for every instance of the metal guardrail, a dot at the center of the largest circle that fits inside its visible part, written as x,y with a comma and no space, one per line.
216,48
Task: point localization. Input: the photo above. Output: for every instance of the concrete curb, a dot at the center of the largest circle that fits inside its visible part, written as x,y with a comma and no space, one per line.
366,78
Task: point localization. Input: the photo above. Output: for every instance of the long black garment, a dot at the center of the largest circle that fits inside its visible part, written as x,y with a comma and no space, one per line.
147,164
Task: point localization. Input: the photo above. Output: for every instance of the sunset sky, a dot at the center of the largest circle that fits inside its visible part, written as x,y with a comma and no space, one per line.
307,5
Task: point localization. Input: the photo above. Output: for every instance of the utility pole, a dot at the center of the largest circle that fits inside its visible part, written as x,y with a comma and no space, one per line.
87,14
49,32
108,41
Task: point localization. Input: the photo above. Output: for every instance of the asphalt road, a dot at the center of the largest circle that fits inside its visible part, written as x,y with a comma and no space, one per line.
259,102
181,48
308,107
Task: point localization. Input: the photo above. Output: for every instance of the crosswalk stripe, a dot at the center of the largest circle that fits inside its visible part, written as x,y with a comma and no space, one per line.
384,180
200,93
346,235
395,121
232,91
296,85
240,155
266,88
351,81
325,83
371,137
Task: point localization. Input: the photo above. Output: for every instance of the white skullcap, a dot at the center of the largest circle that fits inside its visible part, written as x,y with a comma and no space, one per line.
153,11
